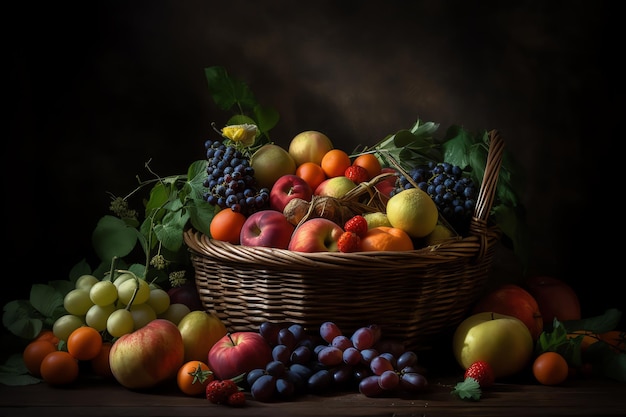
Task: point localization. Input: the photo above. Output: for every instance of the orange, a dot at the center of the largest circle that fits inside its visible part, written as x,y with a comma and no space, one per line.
34,353
550,368
370,163
386,238
59,368
335,162
226,225
312,173
84,343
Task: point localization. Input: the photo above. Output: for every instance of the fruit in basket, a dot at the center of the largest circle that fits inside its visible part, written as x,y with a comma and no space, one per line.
383,238
370,162
335,187
237,353
502,341
226,225
335,162
316,235
357,174
312,173
441,233
309,146
376,219
200,331
513,300
270,162
387,185
267,228
148,356
556,299
413,211
286,188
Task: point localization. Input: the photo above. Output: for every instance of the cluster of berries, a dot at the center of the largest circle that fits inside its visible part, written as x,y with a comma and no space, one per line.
354,230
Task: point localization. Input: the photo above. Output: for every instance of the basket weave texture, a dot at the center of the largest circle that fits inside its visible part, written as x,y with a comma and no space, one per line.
415,296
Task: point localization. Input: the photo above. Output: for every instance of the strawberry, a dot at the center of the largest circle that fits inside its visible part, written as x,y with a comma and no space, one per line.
236,399
349,242
482,372
357,174
356,224
218,391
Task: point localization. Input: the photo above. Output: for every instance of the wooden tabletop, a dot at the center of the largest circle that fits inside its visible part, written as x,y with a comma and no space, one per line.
91,397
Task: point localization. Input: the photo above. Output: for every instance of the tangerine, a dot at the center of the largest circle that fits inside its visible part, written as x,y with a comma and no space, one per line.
312,173
226,225
550,368
384,238
370,163
34,353
59,368
84,343
335,162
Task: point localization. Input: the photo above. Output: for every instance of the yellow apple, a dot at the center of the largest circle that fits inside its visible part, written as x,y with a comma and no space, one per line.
502,341
270,162
309,146
200,331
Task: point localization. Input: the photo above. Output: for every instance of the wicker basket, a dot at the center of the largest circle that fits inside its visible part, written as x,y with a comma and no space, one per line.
415,296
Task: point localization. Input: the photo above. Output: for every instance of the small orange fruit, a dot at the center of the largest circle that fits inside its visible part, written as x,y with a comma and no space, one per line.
335,162
84,343
59,368
226,225
386,238
34,353
100,363
312,173
370,163
550,368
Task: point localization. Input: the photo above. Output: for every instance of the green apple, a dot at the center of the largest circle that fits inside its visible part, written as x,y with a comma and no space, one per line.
503,341
270,162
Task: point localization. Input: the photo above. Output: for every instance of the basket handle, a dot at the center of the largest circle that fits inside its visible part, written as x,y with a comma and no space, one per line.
487,192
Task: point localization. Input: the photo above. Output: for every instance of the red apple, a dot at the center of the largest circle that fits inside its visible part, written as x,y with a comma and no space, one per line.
238,353
555,297
286,188
513,300
268,228
316,235
335,187
387,185
148,356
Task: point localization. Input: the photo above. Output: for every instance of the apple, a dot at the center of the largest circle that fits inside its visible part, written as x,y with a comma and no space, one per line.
200,331
238,353
316,235
270,162
387,185
286,188
335,187
555,297
502,341
148,356
309,146
268,228
513,300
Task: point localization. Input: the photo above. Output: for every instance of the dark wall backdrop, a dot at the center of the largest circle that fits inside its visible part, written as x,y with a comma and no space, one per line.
96,90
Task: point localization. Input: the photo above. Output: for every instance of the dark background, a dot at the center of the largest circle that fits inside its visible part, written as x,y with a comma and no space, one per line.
96,90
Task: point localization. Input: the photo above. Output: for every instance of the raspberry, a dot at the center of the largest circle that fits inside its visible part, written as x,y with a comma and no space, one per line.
356,224
357,174
349,242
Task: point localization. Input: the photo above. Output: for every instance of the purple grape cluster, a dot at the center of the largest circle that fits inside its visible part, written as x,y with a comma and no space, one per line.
230,180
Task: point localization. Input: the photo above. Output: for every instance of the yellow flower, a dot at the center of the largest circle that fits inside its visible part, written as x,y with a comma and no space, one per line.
244,134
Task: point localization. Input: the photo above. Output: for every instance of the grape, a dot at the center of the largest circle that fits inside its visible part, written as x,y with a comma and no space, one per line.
302,372
103,293
120,322
380,364
360,372
86,281
298,331
363,338
318,348
281,353
127,288
391,358
329,330
77,302
301,354
342,374
285,388
341,342
320,381
285,337
142,315
159,300
408,358
264,388
370,387
297,380
121,278
330,356
376,331
65,325
269,331
97,316
275,368
389,380
413,381
368,354
352,356
253,375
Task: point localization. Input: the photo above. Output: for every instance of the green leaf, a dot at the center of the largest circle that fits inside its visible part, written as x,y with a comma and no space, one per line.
598,324
227,92
170,232
81,268
266,118
112,237
469,389
48,299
